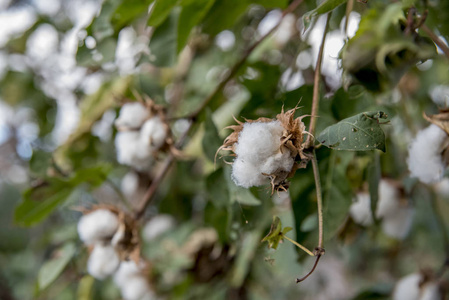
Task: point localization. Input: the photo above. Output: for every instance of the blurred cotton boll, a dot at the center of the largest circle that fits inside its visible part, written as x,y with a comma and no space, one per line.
225,40
153,133
103,261
425,161
97,225
130,150
398,225
407,288
440,95
132,116
360,210
132,282
157,226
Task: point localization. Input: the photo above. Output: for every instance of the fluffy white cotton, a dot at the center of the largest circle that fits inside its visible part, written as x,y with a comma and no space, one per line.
97,225
425,161
258,152
126,271
389,199
398,225
408,288
132,116
157,226
440,95
137,288
103,261
360,210
131,151
153,133
430,291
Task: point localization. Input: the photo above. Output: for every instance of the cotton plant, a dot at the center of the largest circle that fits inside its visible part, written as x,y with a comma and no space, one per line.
142,132
418,286
395,213
267,150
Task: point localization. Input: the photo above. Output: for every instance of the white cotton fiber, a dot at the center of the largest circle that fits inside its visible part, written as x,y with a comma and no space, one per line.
398,224
131,151
408,288
137,288
97,225
258,152
360,210
126,271
425,161
157,226
389,199
153,133
103,261
132,116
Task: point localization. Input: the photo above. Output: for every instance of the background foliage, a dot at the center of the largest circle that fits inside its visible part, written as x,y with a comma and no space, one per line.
66,68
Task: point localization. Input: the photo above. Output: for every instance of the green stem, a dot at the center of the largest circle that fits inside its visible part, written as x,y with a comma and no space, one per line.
299,245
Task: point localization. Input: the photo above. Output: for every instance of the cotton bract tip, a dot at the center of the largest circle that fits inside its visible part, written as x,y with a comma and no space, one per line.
132,116
157,226
153,133
103,261
425,161
360,210
97,225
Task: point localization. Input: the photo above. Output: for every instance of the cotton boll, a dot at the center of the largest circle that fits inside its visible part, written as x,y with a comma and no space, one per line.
258,141
103,261
278,162
137,288
389,199
126,271
130,150
398,225
132,116
97,225
431,291
425,161
408,288
153,133
246,175
157,226
360,210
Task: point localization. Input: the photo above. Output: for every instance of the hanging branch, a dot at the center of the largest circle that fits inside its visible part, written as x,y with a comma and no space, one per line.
319,251
146,200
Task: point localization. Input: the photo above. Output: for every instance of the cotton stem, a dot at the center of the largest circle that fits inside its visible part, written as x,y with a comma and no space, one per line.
299,245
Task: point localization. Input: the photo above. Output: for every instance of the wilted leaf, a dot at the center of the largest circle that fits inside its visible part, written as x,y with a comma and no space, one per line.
357,133
51,269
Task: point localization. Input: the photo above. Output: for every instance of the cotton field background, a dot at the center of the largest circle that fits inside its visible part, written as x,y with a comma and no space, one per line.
224,149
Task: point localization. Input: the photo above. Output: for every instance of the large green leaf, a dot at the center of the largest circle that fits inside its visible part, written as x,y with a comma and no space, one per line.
357,133
160,11
51,269
192,13
163,43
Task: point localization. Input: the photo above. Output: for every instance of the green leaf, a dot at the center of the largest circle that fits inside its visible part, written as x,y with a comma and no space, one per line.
163,43
276,233
192,13
223,15
51,269
211,139
323,8
85,288
217,188
128,11
160,11
357,133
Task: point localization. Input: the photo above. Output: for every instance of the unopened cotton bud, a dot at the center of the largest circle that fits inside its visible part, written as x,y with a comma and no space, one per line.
132,116
153,133
360,210
408,288
157,226
97,225
103,261
425,161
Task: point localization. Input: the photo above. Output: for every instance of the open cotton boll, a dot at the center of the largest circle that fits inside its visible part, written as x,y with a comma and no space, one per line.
103,261
389,199
157,226
153,133
258,141
425,161
431,291
278,162
398,224
132,116
126,271
408,288
246,174
130,150
360,210
137,288
97,225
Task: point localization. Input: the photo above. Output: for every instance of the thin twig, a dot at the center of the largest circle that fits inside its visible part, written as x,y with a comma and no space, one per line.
170,159
299,245
316,87
320,253
436,40
319,199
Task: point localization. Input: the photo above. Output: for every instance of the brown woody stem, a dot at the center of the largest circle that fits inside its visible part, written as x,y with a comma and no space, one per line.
436,40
